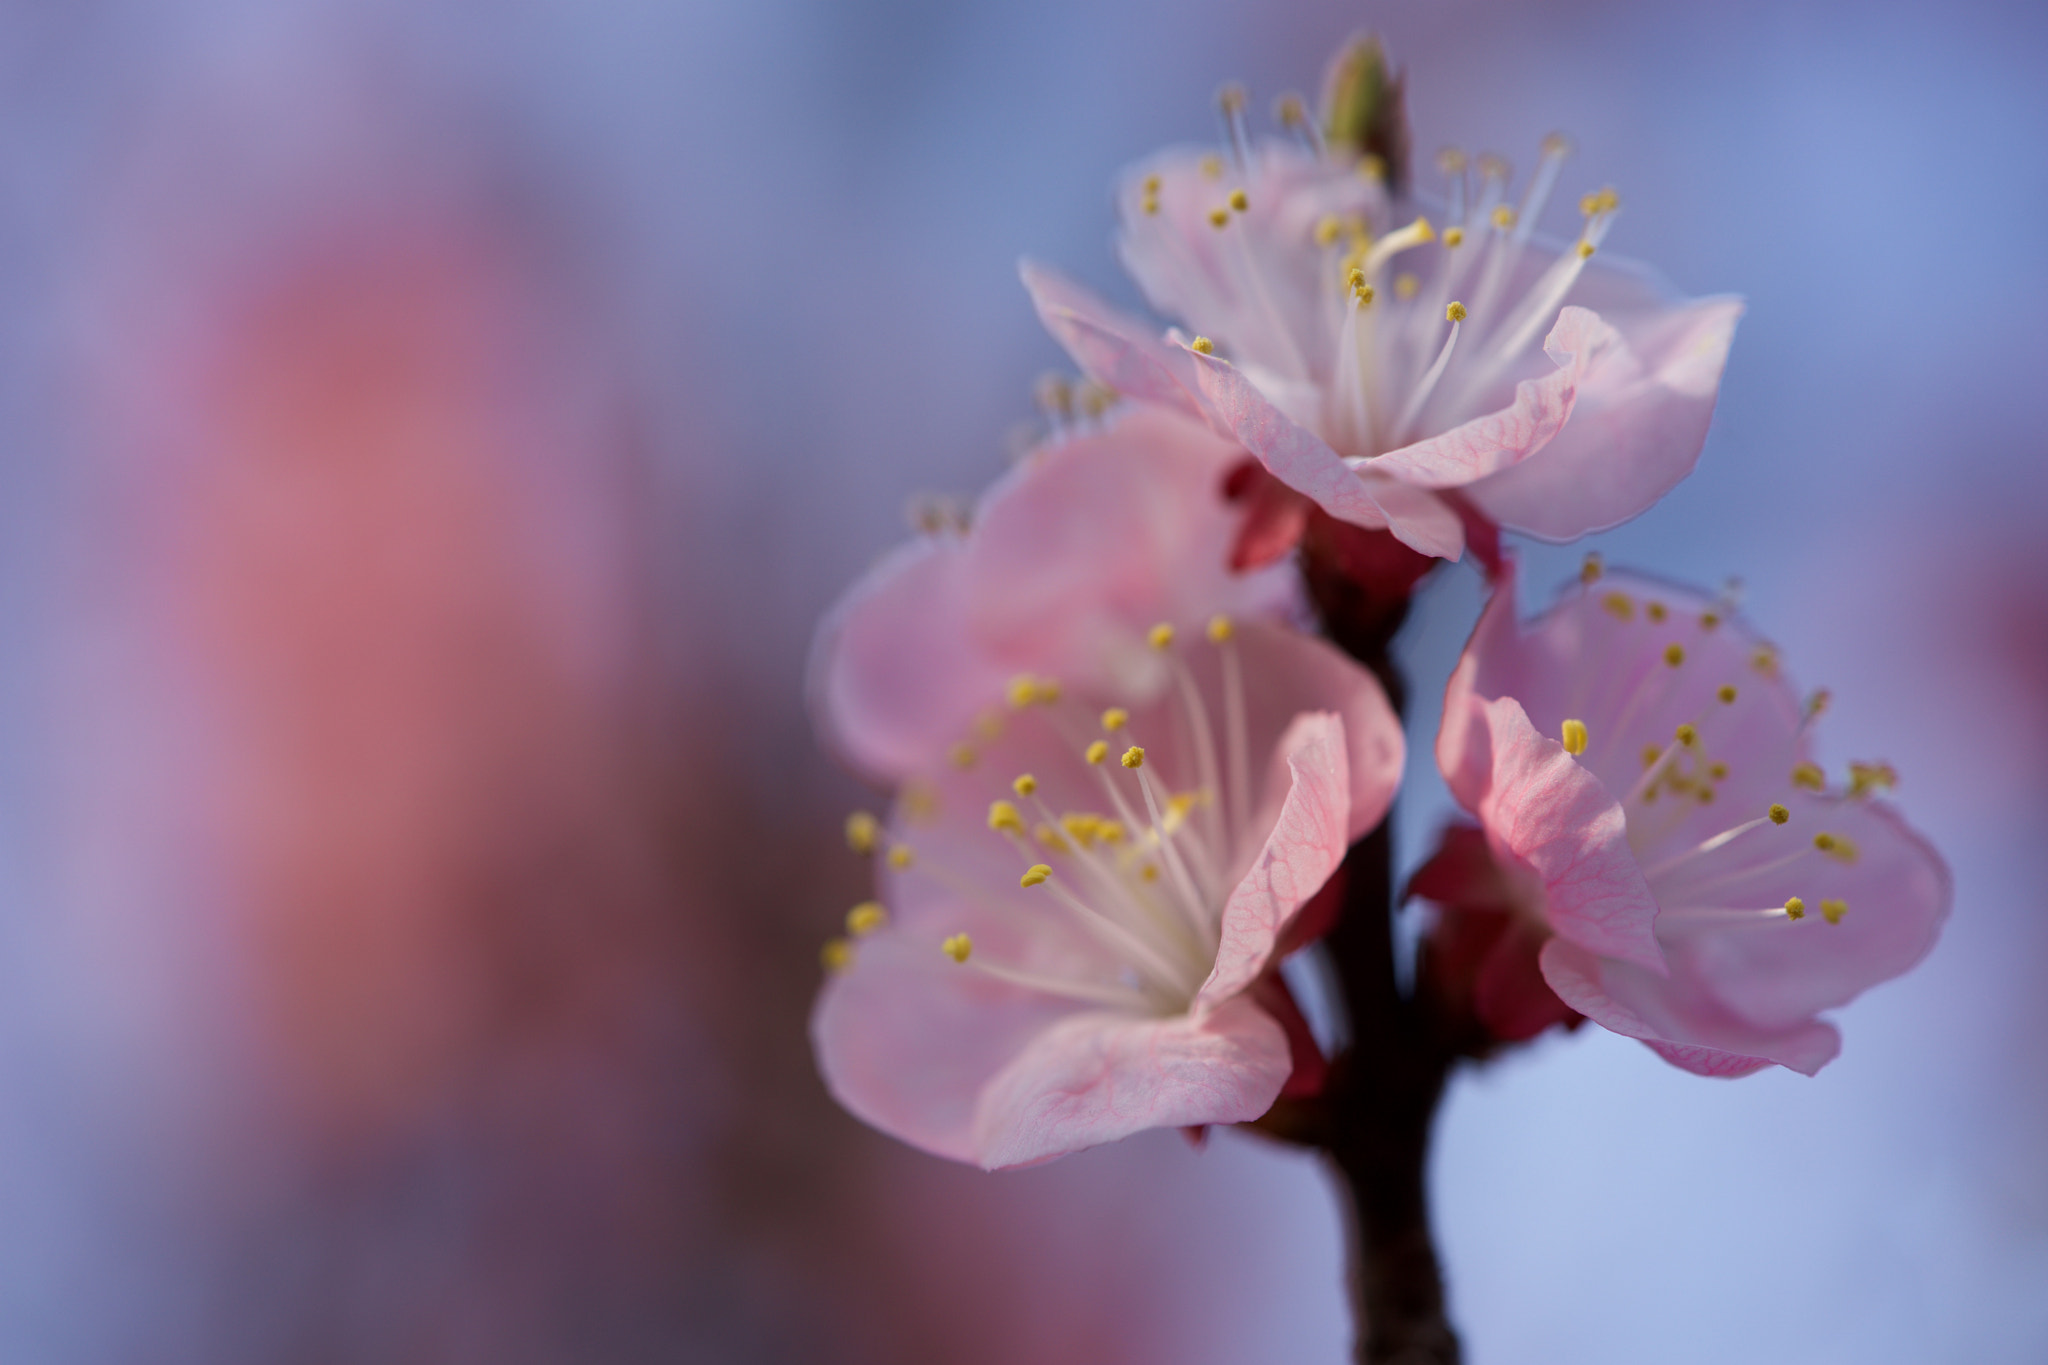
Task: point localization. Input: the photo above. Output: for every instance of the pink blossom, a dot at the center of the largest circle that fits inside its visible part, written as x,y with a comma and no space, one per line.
1067,561
1077,921
1379,368
1644,774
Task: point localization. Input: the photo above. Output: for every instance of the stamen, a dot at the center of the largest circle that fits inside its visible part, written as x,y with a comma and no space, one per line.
1833,910
1401,239
1555,149
1035,875
1809,776
1004,818
1230,102
1220,629
962,756
1119,997
862,832
1134,757
1202,346
836,956
1240,201
865,918
1235,733
958,947
1115,719
1718,841
901,857
1024,785
1865,778
1575,737
1096,752
1455,315
1160,636
1795,908
1590,571
1674,654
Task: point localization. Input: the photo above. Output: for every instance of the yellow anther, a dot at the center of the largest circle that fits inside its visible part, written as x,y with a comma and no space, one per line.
1212,166
1686,735
865,918
1589,203
862,830
1726,692
1149,872
1706,795
1838,847
1651,753
958,947
1150,204
1620,606
1240,201
1556,144
1096,752
1115,719
1492,167
1795,908
989,726
1024,785
1586,250
1231,98
1111,831
1160,636
919,801
1034,875
1219,218
1655,611
1455,312
1818,702
1134,757
1004,817
1609,200
1422,230
1221,628
1809,776
1709,619
1050,838
1082,827
1674,654
1779,815
962,755
1833,910
1717,770
1364,294
1327,229
1405,286
1290,111
900,857
1765,661
1454,236
1047,691
1203,346
1355,277
1503,217
1865,778
1451,160
836,956
1180,803
1096,397
1575,736
1824,841
1372,166
1590,571
1152,183
1023,691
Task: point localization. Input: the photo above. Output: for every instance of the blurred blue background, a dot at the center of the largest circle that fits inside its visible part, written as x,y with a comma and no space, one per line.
431,431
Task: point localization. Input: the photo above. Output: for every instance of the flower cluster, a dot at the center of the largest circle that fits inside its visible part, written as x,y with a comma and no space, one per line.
1127,770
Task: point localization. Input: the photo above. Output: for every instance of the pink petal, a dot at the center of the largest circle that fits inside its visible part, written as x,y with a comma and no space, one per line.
1109,346
1274,515
1577,345
1307,842
893,676
1635,431
1543,808
906,1039
1898,893
1680,1020
1095,1077
1286,674
1304,462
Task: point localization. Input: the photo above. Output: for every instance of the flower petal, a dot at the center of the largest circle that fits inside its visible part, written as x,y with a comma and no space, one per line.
1094,1077
1305,462
1306,843
1110,347
1679,1019
1541,807
1636,429
1578,345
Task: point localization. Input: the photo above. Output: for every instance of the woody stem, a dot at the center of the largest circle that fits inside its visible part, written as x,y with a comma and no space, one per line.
1383,1093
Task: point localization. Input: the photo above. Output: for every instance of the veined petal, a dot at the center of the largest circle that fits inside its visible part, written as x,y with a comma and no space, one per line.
1094,1077
1306,843
1636,429
1683,1023
1108,346
1580,346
